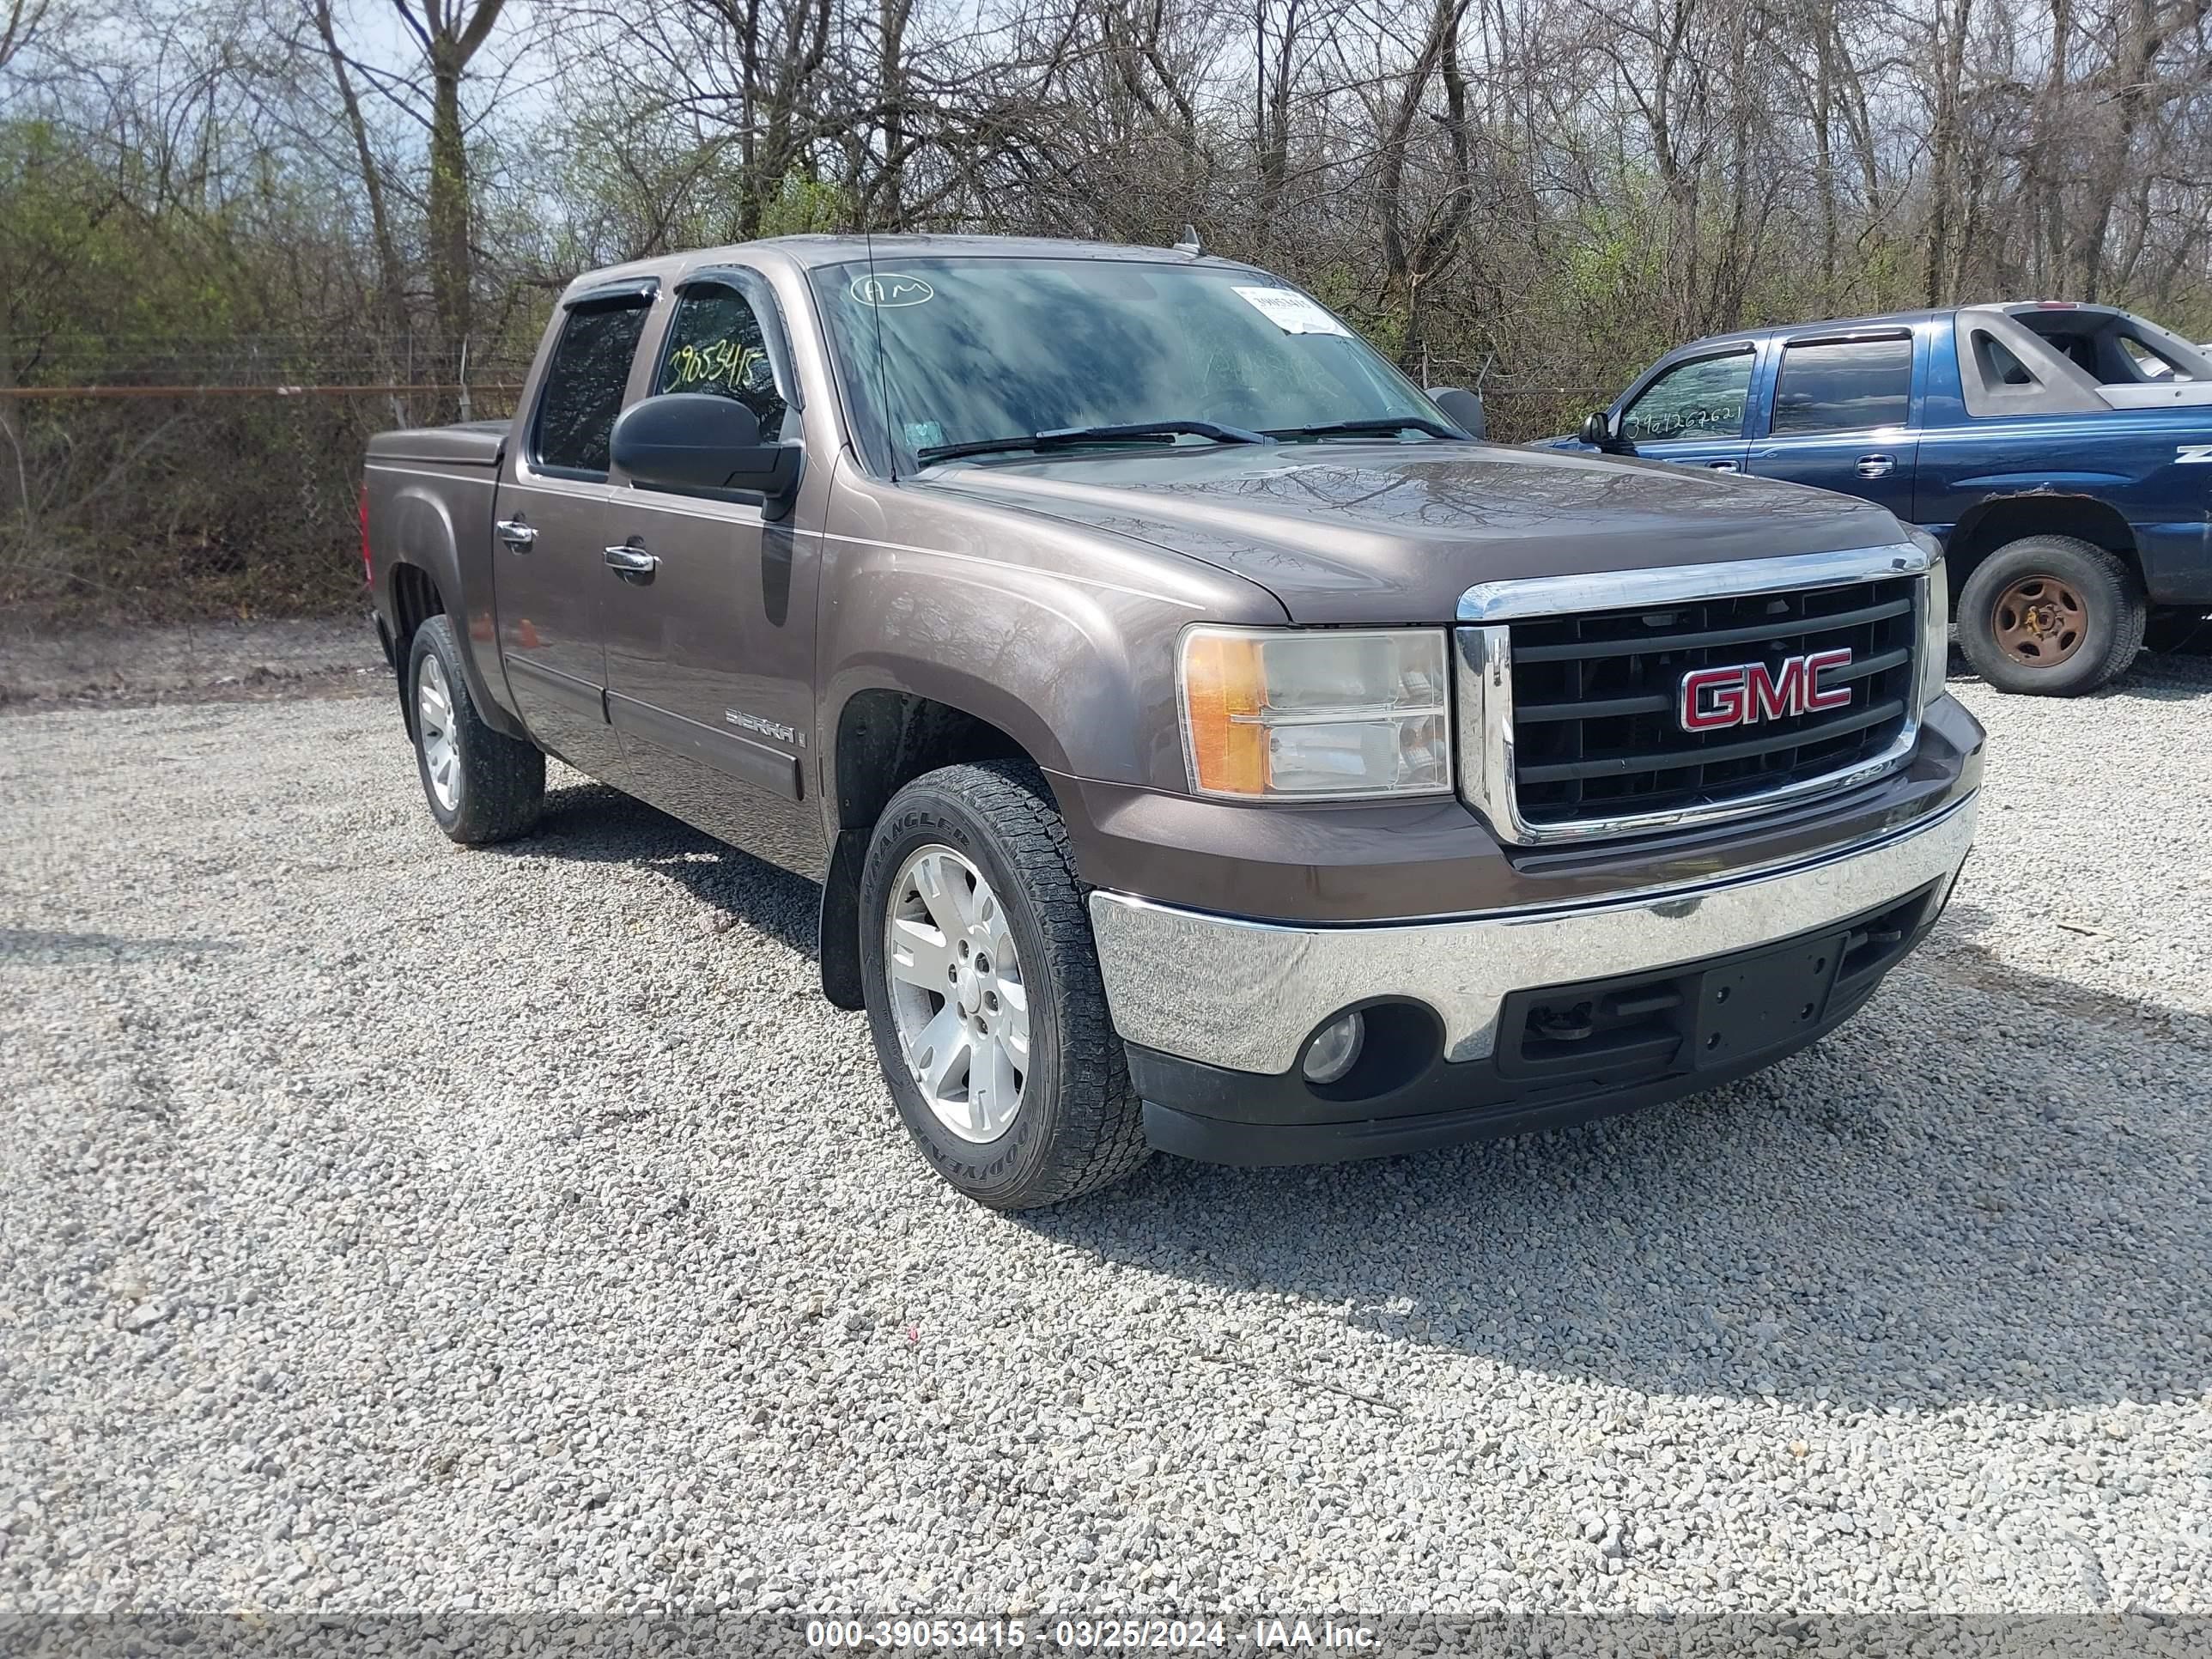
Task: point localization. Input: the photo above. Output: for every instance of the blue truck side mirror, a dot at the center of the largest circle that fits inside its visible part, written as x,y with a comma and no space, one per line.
1597,432
702,443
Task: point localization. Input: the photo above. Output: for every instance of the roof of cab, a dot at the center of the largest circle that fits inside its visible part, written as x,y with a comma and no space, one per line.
810,251
1830,325
841,250
1888,319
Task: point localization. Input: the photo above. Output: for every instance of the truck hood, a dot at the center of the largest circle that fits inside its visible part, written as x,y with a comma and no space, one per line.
1395,533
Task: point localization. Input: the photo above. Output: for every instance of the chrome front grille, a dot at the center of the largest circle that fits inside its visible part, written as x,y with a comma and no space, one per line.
1571,722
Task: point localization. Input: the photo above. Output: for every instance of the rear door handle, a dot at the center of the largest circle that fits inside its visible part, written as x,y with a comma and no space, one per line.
629,560
1876,466
1722,467
518,536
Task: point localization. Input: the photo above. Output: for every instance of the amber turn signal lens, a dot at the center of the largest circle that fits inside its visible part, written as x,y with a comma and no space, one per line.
1221,681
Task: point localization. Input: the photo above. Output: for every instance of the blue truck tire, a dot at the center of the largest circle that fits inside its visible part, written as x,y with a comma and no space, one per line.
2051,616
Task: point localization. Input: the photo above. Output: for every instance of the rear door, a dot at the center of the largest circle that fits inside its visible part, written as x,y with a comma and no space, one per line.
1842,417
710,652
1693,411
551,584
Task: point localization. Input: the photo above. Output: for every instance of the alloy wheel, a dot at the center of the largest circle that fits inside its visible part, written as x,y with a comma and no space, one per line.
433,727
957,997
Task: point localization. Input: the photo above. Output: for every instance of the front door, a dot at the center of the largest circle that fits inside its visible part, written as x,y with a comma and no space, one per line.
550,581
1693,411
710,648
1842,419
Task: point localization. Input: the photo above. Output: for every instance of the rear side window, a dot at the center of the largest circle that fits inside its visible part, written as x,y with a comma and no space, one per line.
1699,400
2148,362
584,390
2000,367
714,345
1842,385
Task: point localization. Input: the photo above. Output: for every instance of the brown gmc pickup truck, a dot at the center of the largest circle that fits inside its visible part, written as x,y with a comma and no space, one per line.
1202,739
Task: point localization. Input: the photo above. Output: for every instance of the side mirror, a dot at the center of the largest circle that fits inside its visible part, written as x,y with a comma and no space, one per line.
1464,407
705,444
1597,432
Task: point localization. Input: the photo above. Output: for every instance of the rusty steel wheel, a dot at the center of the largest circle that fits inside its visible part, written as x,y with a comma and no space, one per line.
2039,621
2051,616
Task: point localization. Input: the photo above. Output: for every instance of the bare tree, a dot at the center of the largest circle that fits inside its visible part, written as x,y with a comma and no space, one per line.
390,289
450,33
19,22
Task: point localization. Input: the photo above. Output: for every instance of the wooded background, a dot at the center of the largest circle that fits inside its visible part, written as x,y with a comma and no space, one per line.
383,195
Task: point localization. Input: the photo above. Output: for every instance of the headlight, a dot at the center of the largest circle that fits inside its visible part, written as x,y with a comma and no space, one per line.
1334,714
1935,620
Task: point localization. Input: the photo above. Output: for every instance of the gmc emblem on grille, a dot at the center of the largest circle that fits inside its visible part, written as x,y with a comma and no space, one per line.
1746,692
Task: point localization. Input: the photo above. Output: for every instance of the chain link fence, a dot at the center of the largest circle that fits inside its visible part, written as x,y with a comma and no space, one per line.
149,478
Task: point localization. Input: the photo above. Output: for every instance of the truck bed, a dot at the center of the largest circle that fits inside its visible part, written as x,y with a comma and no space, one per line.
429,495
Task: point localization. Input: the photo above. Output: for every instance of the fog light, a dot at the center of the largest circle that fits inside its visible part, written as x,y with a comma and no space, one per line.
1332,1052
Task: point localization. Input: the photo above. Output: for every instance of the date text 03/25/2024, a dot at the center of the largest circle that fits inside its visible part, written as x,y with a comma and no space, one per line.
1084,1635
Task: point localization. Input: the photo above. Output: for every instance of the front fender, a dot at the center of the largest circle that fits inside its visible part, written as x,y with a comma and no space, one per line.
1062,636
1047,664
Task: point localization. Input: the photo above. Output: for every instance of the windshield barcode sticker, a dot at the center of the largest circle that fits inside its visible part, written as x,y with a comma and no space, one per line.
1290,310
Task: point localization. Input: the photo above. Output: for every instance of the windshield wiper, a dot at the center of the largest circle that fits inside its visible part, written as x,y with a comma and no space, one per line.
1156,432
1376,427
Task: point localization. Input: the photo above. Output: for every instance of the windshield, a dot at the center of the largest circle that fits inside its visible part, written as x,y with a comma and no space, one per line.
981,348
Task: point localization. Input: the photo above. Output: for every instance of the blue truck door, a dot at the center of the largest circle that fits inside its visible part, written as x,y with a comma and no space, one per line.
1842,416
1692,410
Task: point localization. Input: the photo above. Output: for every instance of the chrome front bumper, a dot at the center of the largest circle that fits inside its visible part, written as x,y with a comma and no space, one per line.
1245,995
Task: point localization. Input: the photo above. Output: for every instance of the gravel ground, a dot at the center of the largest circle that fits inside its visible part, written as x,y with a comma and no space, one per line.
389,1225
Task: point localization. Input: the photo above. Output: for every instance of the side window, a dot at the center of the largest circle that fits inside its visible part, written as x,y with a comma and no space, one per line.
1699,400
2149,364
1843,385
1998,364
584,389
714,344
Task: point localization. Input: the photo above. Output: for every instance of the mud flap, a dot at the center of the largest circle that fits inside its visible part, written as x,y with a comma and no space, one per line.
838,945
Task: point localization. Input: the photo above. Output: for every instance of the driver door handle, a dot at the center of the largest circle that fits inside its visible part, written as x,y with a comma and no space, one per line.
1722,467
1876,466
629,560
518,536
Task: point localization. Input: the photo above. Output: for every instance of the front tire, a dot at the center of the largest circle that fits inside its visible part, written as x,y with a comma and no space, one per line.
482,786
983,993
2051,616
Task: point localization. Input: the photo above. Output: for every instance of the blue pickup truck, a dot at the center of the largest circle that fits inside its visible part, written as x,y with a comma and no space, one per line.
2062,455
